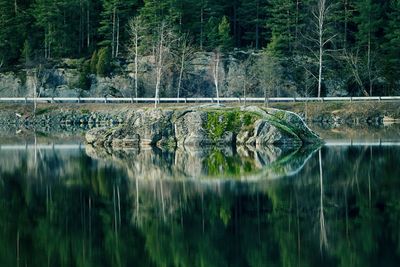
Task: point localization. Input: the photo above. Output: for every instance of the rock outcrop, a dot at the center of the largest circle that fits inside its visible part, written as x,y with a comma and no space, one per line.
206,126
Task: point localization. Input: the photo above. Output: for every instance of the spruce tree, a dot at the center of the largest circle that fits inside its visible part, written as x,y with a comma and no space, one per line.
225,42
115,15
252,20
392,46
369,21
282,25
13,24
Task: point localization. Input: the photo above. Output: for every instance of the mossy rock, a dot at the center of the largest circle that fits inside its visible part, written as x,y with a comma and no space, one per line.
219,122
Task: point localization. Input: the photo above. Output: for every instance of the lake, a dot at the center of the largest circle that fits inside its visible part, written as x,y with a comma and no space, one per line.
63,203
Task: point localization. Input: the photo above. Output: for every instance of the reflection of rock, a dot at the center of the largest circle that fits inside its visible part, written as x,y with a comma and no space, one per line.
199,127
243,163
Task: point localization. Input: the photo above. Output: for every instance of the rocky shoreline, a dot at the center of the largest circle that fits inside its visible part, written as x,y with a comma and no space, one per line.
52,116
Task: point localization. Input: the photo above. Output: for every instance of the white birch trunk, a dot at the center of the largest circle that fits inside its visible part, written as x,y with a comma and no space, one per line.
136,62
216,75
321,20
181,72
159,66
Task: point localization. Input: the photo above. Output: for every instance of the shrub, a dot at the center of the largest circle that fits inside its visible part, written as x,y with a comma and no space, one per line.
103,64
93,63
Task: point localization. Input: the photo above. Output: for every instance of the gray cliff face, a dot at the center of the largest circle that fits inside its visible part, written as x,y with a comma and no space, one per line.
201,127
64,79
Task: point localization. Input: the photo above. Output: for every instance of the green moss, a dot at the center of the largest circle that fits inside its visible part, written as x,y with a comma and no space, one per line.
219,122
280,115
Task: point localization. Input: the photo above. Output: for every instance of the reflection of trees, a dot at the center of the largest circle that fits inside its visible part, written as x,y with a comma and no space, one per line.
91,215
323,236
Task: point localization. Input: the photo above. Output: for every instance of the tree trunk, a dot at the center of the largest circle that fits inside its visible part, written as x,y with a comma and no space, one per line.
159,66
113,34
369,63
321,20
117,44
216,74
345,25
181,73
88,25
136,63
201,25
257,26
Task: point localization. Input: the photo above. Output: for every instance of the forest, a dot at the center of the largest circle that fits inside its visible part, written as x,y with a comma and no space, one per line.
308,45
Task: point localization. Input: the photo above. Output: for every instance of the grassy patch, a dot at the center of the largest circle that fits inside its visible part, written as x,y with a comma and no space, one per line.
41,111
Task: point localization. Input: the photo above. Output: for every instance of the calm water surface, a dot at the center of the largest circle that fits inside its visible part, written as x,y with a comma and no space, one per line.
64,204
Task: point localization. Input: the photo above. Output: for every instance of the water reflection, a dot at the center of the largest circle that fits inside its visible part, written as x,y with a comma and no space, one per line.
238,163
66,208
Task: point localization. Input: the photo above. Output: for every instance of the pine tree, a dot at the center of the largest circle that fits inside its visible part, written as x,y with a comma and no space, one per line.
392,45
103,63
225,42
13,31
282,24
114,16
252,21
369,23
156,12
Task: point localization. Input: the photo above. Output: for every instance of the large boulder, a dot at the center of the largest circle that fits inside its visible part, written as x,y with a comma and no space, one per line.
206,126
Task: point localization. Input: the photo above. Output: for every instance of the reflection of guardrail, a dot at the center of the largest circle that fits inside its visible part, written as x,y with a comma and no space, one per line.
43,147
333,143
328,143
192,100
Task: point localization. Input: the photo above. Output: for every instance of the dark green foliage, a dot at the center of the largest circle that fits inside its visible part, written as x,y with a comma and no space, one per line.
84,76
252,21
13,30
35,31
103,66
93,62
26,53
392,45
224,36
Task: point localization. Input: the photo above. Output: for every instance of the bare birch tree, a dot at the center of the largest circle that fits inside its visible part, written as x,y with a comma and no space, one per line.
353,61
215,70
320,36
248,76
39,78
184,54
136,31
269,74
165,39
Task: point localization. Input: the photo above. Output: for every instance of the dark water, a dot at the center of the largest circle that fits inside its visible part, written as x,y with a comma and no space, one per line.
64,204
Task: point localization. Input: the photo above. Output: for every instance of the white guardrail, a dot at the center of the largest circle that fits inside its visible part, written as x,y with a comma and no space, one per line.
191,100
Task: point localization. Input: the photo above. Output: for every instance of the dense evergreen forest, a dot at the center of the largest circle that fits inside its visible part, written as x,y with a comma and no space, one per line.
351,44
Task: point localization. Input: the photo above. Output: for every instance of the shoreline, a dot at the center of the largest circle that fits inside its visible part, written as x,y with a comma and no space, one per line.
330,114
